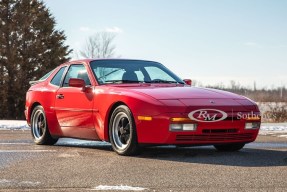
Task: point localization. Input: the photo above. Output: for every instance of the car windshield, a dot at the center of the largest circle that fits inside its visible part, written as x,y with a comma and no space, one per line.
132,71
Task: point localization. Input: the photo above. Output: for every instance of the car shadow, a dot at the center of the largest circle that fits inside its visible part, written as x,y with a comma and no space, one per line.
247,157
67,142
253,155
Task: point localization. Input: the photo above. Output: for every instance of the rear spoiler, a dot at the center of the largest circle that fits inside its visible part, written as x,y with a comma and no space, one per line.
34,82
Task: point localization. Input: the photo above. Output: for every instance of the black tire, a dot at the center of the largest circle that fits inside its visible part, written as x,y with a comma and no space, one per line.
122,132
39,127
230,147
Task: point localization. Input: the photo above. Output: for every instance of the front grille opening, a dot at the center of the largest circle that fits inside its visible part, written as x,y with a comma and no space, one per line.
216,137
208,131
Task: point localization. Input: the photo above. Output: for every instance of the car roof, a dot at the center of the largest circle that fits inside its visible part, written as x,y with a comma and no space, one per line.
87,61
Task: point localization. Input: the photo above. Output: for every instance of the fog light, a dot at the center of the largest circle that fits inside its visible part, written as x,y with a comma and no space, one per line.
252,125
182,127
175,127
189,127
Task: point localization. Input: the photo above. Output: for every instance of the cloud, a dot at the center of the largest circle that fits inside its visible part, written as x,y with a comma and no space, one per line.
114,30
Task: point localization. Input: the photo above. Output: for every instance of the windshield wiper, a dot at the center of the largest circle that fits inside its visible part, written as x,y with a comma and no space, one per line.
113,81
134,81
109,73
164,81
123,81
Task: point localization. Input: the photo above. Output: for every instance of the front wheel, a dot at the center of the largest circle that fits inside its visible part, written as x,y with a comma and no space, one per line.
39,127
230,147
122,131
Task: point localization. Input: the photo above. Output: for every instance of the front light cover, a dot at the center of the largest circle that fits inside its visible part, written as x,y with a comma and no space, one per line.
182,127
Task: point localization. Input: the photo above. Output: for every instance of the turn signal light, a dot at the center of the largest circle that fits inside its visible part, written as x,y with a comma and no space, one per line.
144,118
179,119
253,118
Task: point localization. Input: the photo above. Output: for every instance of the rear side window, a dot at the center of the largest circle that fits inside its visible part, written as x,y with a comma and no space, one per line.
46,76
58,77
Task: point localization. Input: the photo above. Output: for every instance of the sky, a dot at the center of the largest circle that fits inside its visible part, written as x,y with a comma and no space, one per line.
211,42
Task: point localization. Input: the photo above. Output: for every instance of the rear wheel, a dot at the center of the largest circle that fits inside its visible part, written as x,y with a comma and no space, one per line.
39,127
122,131
230,147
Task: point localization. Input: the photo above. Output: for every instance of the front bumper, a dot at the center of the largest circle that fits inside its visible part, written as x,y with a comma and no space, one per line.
207,133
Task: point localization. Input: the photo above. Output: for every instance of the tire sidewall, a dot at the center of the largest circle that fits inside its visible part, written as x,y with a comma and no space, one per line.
42,139
132,145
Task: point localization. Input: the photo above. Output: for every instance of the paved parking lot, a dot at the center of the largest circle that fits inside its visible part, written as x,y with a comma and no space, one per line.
73,165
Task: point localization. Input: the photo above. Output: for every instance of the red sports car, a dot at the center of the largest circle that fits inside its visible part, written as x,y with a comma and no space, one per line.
133,103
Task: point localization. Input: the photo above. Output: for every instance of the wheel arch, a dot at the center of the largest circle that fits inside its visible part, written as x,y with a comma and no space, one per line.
35,104
110,112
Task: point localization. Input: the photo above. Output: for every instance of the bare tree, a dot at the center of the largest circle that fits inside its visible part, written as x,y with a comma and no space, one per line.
100,45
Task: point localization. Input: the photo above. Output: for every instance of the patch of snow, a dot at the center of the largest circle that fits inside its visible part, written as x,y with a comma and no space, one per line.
13,125
31,183
119,188
68,155
21,183
273,127
5,181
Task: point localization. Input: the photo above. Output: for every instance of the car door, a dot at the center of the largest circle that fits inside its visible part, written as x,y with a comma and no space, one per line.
73,105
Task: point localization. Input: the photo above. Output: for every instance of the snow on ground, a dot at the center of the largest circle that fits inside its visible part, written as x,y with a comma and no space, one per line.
13,125
118,188
281,127
276,129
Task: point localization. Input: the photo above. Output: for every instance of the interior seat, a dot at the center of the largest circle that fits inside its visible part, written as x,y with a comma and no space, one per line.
130,76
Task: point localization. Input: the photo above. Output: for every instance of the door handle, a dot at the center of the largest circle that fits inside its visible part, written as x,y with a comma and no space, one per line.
60,96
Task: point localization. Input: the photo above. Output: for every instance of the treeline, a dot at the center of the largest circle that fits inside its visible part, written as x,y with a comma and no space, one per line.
272,102
30,46
278,94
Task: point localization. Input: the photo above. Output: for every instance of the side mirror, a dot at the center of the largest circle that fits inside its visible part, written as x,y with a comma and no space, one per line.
74,82
188,81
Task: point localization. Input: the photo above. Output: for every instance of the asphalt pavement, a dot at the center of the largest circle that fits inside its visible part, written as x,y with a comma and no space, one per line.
75,165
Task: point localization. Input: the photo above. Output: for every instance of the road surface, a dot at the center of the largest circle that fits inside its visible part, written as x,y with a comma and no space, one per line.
73,165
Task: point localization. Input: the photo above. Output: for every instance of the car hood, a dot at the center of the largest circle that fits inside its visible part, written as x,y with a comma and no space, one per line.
194,98
162,93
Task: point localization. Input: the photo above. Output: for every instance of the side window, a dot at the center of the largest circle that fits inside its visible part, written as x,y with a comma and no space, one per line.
46,76
58,77
76,71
